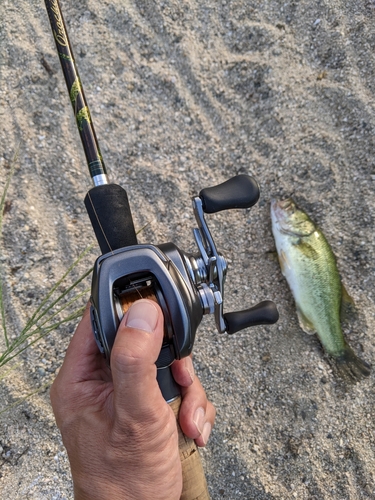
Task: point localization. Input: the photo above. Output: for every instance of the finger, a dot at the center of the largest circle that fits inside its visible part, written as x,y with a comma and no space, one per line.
135,351
197,414
82,356
82,362
183,371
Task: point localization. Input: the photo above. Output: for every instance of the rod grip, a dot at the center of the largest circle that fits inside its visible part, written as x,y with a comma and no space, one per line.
194,485
109,211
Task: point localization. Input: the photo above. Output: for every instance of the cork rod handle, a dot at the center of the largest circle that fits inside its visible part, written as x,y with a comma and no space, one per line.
194,481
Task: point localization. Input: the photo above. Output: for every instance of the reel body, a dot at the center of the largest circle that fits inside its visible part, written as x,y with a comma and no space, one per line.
144,271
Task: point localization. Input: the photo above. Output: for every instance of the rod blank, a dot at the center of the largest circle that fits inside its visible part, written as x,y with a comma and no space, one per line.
81,110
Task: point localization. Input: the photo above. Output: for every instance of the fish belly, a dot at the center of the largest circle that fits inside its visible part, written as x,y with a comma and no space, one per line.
315,284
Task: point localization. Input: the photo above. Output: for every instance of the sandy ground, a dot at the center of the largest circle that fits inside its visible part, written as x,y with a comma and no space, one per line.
184,95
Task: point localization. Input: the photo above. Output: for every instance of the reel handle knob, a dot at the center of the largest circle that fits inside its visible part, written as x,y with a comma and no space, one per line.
241,191
264,313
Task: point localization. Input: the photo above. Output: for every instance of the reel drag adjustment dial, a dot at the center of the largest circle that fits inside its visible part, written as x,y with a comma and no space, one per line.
186,286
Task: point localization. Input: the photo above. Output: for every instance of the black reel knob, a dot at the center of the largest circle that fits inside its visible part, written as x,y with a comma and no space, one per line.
264,313
241,191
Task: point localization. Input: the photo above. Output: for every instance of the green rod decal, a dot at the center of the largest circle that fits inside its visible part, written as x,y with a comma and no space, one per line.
76,93
96,167
82,116
75,90
64,56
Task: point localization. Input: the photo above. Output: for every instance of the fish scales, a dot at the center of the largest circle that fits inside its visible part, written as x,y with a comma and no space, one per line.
309,266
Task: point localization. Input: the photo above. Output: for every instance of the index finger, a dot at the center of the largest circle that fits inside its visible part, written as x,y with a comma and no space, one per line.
82,357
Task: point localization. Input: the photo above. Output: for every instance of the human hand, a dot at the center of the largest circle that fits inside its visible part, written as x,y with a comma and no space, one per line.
120,434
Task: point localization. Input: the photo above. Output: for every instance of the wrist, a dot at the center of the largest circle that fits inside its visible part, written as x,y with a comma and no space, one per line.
102,489
99,490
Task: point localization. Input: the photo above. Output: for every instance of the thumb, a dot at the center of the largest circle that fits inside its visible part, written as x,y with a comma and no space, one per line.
134,353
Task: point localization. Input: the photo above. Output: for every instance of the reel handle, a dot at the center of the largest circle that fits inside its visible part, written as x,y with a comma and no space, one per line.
264,313
241,191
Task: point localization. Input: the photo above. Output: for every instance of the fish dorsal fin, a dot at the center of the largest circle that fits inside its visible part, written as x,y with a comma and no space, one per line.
304,323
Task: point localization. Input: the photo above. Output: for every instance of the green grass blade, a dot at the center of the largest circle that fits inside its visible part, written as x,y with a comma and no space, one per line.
2,205
64,306
7,183
24,336
8,356
2,309
12,368
34,317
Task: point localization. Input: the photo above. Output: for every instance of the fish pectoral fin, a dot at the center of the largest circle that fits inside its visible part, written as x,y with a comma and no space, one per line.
284,264
304,323
346,298
307,250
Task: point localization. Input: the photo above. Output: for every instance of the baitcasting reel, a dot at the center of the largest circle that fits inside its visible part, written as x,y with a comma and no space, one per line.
186,286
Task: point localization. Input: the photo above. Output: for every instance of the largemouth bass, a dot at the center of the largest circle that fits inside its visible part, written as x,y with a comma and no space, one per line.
309,266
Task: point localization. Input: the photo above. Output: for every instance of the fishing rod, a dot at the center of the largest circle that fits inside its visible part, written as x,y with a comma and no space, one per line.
81,110
186,286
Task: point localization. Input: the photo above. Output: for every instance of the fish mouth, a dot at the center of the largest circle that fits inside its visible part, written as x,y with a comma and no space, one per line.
279,207
286,204
283,215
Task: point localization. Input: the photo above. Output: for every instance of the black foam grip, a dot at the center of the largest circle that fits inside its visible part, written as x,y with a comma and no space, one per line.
264,313
241,191
110,216
169,388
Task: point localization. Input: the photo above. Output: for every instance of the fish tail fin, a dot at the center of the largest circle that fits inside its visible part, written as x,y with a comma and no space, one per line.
351,367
